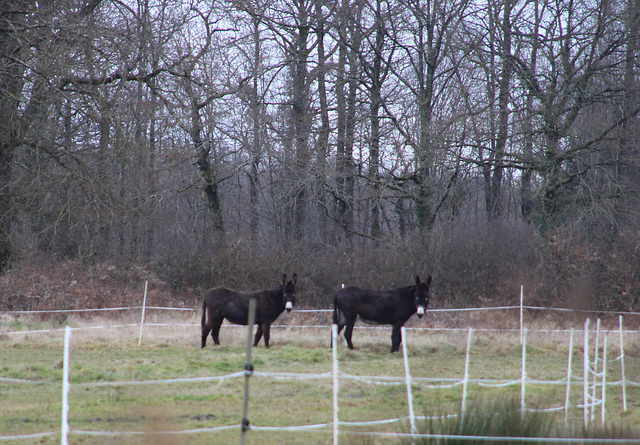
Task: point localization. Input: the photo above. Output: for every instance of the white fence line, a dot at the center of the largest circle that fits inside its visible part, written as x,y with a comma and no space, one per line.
589,389
144,308
589,403
184,309
374,380
295,326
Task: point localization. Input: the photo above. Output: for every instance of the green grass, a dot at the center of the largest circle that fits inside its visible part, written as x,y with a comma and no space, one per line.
115,356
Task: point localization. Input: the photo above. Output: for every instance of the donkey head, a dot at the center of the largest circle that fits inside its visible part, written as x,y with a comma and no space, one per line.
422,295
289,291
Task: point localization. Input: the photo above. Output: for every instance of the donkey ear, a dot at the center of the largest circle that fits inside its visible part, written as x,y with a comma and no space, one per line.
429,281
284,278
417,280
295,278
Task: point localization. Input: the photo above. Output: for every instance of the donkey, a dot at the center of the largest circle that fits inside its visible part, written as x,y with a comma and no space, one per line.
221,302
392,307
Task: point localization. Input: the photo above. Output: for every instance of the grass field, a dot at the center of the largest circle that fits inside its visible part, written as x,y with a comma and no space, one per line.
31,373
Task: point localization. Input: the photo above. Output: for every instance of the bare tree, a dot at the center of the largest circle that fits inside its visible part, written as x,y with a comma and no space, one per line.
424,38
493,170
577,46
628,154
12,123
527,201
35,41
376,61
324,131
347,82
291,24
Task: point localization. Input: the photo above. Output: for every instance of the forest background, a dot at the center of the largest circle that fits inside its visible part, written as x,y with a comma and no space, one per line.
491,144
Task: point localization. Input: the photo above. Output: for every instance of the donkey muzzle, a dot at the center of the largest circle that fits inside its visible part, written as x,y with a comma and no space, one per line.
288,306
420,311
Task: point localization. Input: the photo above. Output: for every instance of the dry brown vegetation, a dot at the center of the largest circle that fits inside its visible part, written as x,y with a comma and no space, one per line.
472,266
40,284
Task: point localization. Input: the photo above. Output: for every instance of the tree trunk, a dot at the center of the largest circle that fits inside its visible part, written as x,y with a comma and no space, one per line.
11,81
202,149
300,123
527,200
427,61
255,107
350,39
494,204
14,123
341,170
376,102
322,140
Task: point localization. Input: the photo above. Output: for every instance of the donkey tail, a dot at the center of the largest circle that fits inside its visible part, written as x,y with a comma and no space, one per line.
338,317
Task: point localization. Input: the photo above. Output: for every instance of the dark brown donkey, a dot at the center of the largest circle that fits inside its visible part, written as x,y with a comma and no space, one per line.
221,302
393,307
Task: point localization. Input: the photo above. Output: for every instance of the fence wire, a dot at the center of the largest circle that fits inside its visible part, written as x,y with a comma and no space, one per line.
426,383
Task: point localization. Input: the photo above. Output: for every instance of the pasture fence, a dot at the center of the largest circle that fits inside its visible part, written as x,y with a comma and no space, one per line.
592,381
589,393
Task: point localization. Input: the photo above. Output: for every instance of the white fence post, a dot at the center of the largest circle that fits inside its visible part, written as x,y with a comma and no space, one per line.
334,335
596,353
569,361
524,371
465,382
521,314
144,307
64,431
624,386
604,378
585,382
407,376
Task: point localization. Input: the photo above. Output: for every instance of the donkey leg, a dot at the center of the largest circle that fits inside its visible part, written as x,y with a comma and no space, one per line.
348,331
396,338
266,330
215,330
205,332
207,324
340,325
258,336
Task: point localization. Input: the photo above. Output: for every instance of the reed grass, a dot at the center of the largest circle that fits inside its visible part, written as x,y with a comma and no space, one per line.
500,421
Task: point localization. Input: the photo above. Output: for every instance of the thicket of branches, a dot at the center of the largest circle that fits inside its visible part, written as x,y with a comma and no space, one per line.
488,142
